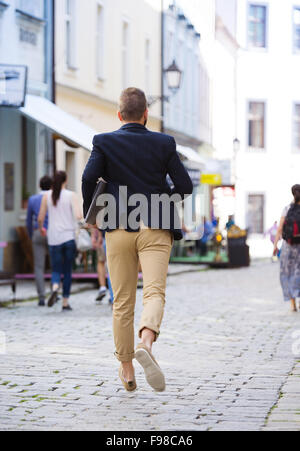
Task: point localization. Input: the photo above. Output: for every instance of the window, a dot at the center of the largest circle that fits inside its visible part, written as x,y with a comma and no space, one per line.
256,127
256,213
9,186
296,139
257,26
71,33
100,43
34,7
147,65
297,29
125,55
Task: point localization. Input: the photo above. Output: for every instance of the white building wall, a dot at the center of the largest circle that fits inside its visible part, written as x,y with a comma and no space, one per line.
144,23
227,10
270,75
224,91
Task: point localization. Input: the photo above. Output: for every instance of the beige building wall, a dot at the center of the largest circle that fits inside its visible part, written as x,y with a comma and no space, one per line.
102,47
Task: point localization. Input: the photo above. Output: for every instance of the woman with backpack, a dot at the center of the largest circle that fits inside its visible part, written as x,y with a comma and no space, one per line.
63,210
289,231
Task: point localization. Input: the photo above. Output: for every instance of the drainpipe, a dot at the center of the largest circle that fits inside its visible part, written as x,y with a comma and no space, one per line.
53,52
162,65
53,80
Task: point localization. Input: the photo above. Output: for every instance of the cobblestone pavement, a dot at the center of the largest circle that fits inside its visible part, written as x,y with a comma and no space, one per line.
226,348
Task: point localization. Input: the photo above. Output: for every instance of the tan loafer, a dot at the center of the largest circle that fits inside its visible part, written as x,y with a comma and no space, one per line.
129,386
154,375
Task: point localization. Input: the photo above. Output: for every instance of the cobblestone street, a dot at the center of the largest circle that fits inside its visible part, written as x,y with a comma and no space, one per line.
225,347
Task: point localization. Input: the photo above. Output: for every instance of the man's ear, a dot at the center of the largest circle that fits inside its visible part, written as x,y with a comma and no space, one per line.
146,114
120,116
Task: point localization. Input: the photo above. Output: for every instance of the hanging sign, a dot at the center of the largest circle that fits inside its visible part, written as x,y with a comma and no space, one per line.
13,81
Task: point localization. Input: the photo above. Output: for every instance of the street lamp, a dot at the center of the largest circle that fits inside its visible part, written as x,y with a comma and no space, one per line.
236,145
174,77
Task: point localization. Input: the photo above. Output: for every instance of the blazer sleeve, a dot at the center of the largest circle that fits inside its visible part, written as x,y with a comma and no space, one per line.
94,170
183,184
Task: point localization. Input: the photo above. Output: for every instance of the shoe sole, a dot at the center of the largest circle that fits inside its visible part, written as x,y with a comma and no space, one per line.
100,298
52,300
154,375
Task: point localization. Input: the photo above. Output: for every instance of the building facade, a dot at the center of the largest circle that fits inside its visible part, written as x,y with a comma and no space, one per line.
268,110
187,111
26,38
222,53
122,48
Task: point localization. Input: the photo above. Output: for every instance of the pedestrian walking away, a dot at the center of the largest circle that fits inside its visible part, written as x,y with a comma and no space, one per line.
272,232
115,158
289,230
63,210
39,240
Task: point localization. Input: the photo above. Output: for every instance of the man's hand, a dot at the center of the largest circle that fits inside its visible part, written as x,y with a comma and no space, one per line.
275,251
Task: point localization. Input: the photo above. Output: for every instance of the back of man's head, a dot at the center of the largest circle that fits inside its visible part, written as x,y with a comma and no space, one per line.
133,104
46,183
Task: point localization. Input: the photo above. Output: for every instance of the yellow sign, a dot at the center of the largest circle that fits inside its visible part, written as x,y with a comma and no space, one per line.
211,179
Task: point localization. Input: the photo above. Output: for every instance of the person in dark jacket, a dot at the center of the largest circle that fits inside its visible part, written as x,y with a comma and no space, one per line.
140,160
39,241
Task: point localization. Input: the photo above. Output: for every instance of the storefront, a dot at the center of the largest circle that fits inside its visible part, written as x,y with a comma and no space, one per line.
26,151
212,202
27,137
26,148
194,205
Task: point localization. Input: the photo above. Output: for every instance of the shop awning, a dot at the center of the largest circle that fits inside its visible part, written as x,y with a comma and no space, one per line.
62,124
192,156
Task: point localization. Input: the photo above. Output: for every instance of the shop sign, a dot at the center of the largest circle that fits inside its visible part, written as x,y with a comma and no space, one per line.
211,179
13,80
30,37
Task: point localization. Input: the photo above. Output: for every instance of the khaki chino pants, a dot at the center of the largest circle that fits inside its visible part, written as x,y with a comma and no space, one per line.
124,251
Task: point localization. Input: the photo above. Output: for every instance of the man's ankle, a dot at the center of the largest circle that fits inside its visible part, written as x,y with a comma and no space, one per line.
147,344
148,338
128,370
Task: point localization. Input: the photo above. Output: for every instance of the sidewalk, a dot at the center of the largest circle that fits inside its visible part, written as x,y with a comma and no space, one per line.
26,290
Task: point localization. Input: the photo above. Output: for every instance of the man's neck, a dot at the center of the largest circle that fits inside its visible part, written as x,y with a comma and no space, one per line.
134,122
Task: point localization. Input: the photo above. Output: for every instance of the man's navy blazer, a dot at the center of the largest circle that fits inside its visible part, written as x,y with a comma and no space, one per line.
139,159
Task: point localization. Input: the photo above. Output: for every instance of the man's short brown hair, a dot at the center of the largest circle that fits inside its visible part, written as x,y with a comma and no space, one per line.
133,104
